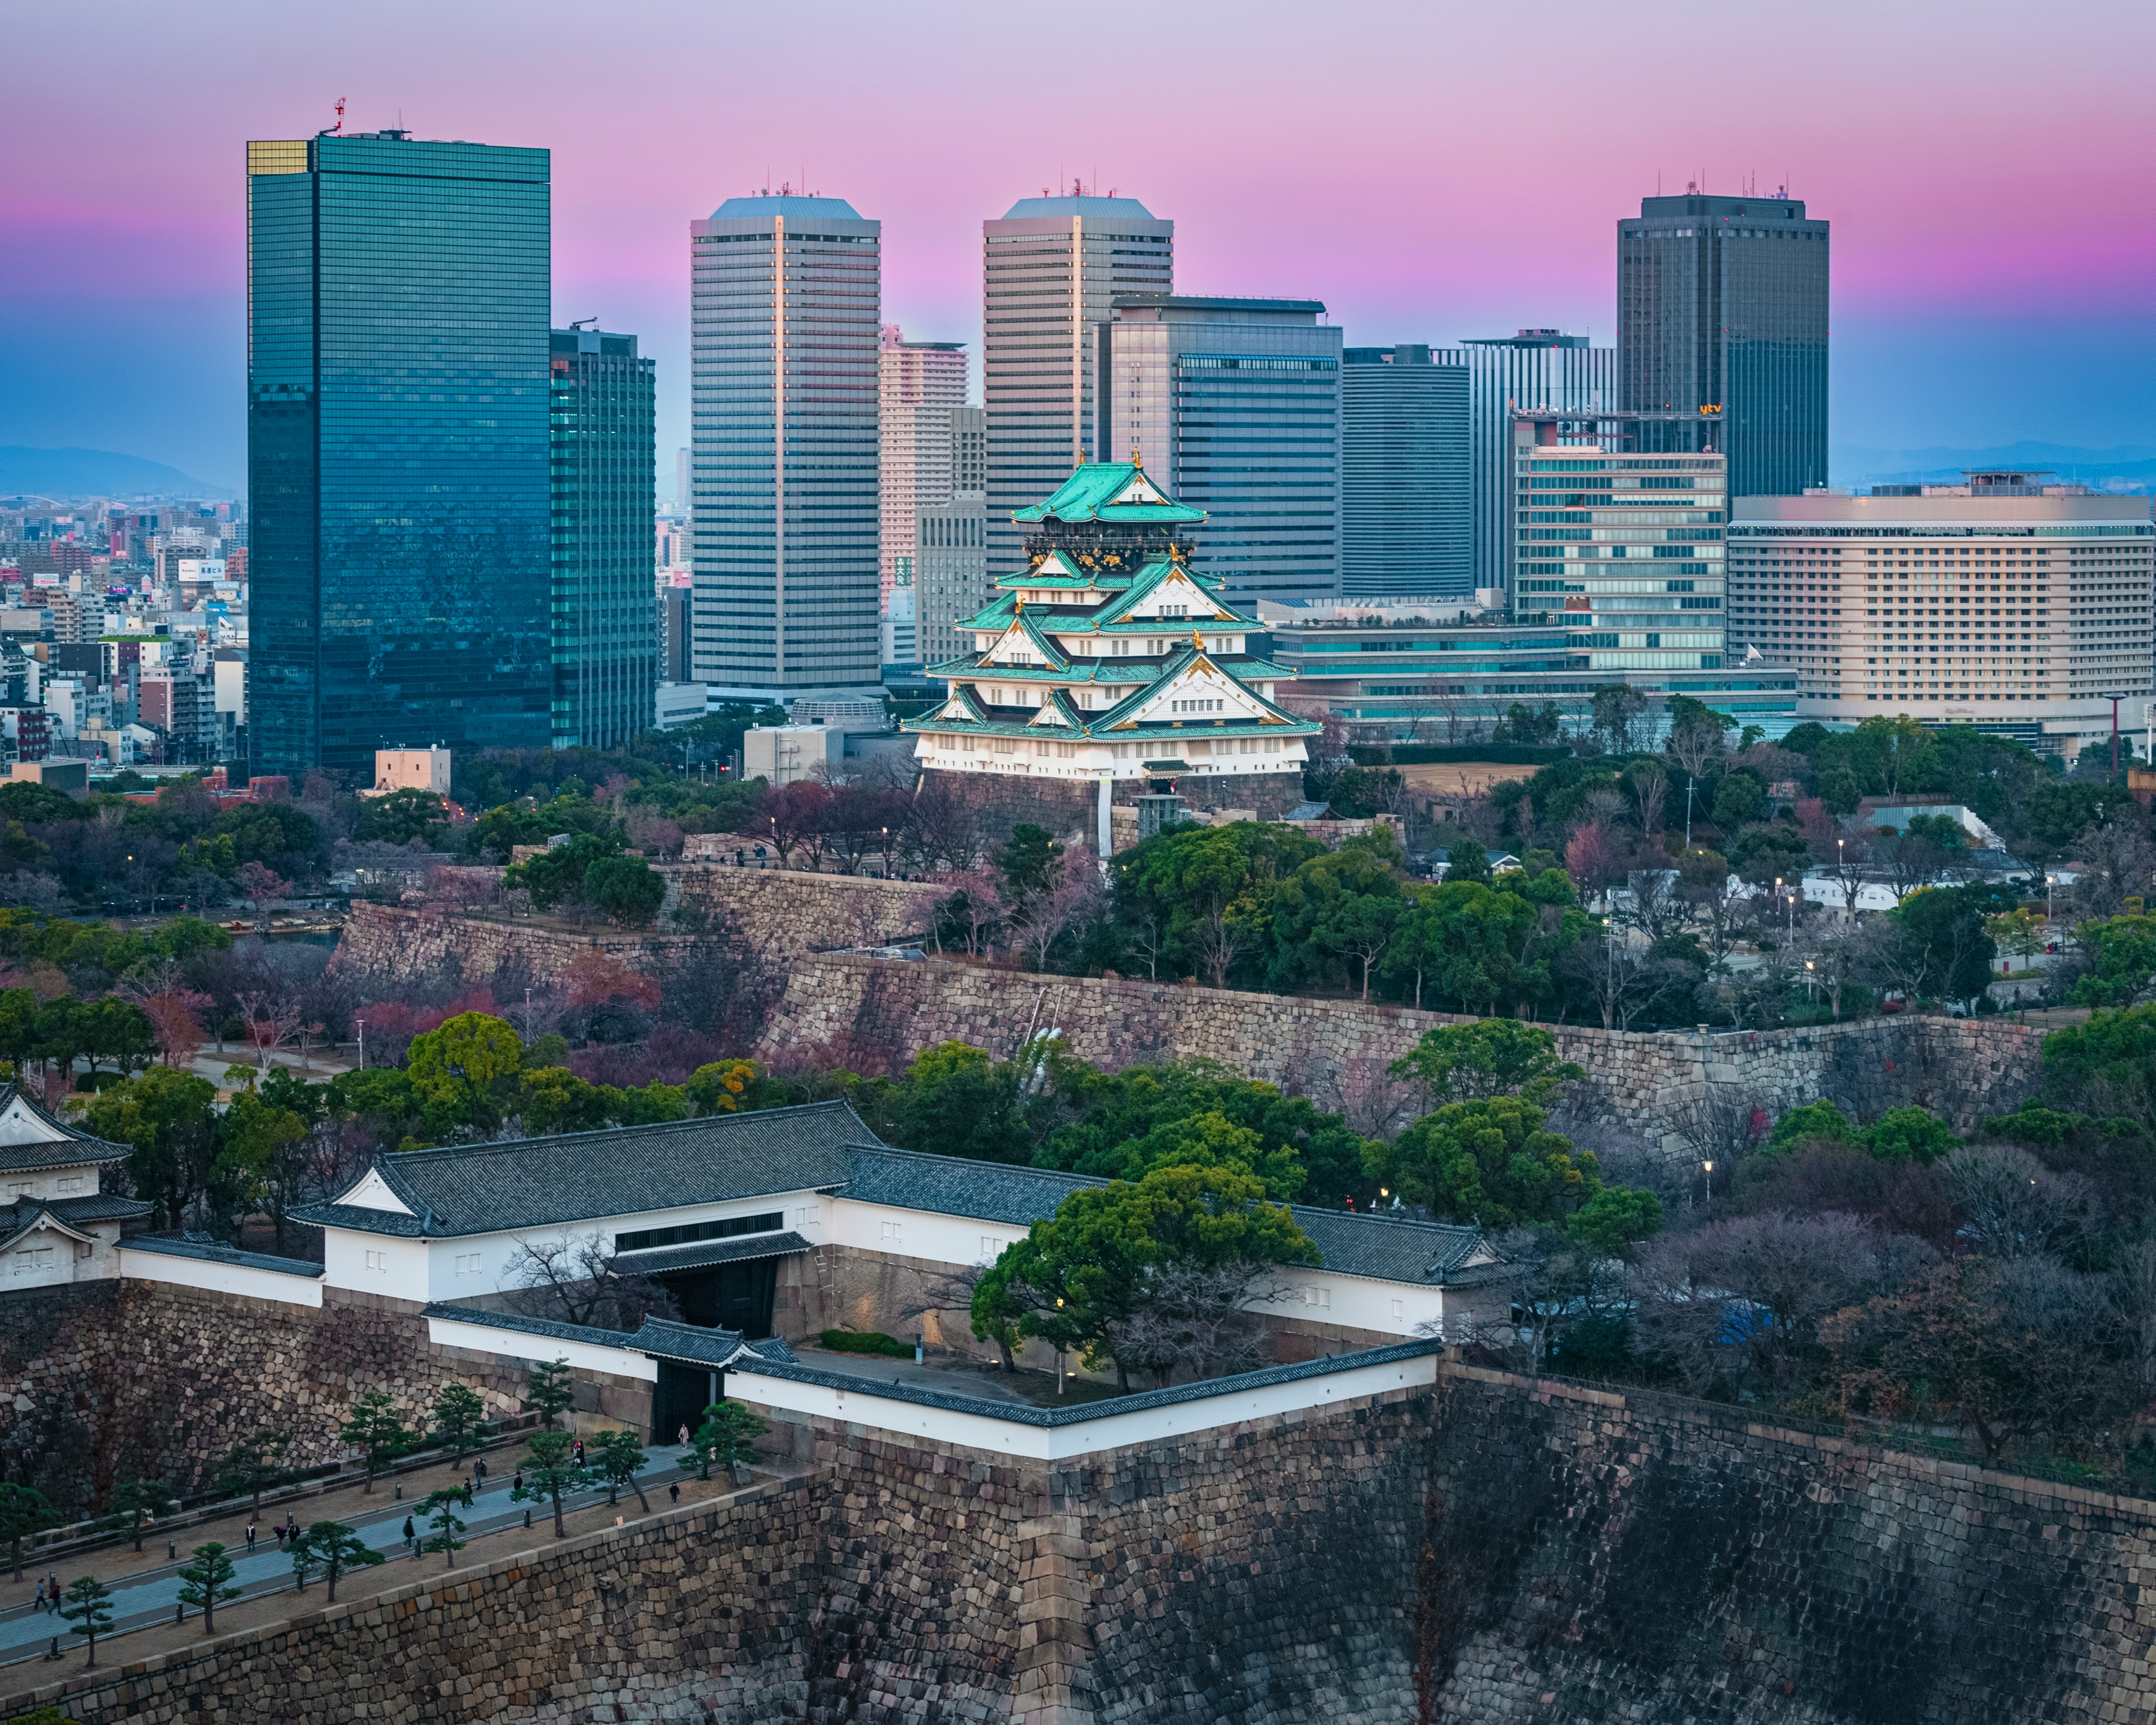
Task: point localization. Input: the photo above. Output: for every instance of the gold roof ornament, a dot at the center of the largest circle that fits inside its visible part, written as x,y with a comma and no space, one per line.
1197,640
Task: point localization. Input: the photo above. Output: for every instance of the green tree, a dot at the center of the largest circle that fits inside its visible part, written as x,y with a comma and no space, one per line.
549,1391
206,1582
1490,1161
1813,1121
24,1514
258,1165
957,1102
1027,862
723,1087
551,1473
726,1438
440,1510
402,816
1613,1218
1941,947
334,1550
1346,902
464,1071
134,1504
459,1419
624,890
168,1119
1909,1134
375,1428
556,876
258,1462
1084,1270
1737,799
1200,892
1467,861
87,1605
617,1455
2124,948
1492,1057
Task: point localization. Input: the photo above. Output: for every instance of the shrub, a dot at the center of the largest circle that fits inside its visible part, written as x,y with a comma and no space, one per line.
866,1342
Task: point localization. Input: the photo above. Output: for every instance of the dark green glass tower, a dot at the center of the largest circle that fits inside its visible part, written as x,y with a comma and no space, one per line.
398,449
606,609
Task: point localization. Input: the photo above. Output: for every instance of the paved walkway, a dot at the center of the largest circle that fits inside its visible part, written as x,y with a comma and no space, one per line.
151,1596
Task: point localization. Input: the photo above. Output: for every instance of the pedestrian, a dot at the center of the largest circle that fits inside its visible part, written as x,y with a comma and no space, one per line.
674,1493
478,1473
683,1440
411,1537
278,1528
517,1484
250,1538
468,1497
580,1452
41,1593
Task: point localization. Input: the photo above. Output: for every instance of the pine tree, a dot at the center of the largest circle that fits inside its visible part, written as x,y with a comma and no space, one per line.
440,1510
550,1474
459,1419
136,1504
206,1581
254,1463
87,1605
617,1455
24,1514
548,1392
333,1548
374,1429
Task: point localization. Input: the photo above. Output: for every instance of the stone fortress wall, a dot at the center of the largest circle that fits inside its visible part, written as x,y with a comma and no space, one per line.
1490,1548
1336,1051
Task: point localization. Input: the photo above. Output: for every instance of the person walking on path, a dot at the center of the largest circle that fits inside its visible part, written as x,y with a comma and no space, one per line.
250,1538
478,1473
41,1594
411,1537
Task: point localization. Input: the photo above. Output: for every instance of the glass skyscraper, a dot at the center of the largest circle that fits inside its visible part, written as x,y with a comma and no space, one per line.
1234,406
1721,314
1506,374
1407,522
786,298
605,615
397,448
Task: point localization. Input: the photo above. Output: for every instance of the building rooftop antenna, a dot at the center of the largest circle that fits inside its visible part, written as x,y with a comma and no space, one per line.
339,126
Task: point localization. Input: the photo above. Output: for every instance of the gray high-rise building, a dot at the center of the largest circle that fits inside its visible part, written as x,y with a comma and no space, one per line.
1406,474
397,297
1721,313
1052,270
786,299
606,625
950,579
1506,374
1233,405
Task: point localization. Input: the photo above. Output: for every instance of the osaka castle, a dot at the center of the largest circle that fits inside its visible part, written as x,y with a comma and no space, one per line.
1108,657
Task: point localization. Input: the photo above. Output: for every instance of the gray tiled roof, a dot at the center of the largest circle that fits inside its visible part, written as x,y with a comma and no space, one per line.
94,1207
581,1177
70,1147
216,1252
1383,1247
517,1321
698,1254
577,1176
662,1338
749,1365
952,1186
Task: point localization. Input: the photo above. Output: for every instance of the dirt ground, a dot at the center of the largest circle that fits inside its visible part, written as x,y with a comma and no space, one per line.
1460,778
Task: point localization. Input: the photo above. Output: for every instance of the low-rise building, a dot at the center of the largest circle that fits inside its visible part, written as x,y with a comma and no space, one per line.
57,1225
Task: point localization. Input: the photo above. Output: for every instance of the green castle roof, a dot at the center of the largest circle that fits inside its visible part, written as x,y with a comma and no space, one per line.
1091,494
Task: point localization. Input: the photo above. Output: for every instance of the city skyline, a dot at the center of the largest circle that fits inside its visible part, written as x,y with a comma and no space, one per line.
1425,220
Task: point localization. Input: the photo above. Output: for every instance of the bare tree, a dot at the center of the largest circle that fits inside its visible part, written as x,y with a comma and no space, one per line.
1650,791
1624,979
582,1281
1073,898
270,1017
975,902
1742,1300
1144,937
2118,861
2012,1206
1219,941
1722,1124
1197,1319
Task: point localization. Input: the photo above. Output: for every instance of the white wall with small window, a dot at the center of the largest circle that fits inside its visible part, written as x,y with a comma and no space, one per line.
243,1279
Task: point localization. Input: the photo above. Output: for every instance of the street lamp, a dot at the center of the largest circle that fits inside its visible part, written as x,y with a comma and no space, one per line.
1709,1167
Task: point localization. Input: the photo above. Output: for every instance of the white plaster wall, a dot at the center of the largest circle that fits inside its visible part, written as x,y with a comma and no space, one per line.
221,1278
510,1344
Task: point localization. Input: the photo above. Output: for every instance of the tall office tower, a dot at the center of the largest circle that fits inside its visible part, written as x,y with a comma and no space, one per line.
398,450
683,496
951,576
1406,474
1722,314
1053,268
606,628
920,382
1533,368
1624,550
786,295
1235,404
2006,602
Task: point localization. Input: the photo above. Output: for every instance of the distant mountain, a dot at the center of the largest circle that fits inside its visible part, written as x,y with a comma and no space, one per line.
2128,467
94,473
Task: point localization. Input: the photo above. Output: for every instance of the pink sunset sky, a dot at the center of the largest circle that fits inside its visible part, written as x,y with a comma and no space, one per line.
1429,172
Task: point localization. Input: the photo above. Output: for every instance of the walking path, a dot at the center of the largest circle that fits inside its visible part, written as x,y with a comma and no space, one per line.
145,1596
